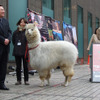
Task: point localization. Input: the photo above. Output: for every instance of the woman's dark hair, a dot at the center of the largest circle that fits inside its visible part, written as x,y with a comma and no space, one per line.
96,31
18,23
1,5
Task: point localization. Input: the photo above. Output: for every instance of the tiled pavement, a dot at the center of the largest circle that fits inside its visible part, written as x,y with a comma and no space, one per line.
79,88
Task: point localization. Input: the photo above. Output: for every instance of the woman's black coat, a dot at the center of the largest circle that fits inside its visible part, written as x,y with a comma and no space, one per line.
19,50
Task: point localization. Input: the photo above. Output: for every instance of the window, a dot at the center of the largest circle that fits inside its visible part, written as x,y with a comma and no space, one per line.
48,4
80,31
48,7
90,30
67,8
80,14
97,22
89,19
67,11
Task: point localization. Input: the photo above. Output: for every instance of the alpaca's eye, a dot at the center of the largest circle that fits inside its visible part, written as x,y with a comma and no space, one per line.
31,29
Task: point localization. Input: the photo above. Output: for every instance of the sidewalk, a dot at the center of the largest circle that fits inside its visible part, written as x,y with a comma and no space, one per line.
79,88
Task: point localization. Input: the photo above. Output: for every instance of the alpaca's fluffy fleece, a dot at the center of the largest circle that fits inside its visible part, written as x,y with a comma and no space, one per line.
47,55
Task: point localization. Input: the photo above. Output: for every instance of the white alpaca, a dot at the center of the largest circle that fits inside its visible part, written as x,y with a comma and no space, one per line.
47,55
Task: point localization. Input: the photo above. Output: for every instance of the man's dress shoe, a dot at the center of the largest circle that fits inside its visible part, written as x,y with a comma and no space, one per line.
3,87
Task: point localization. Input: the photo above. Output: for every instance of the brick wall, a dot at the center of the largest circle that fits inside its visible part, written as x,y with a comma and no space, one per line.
91,6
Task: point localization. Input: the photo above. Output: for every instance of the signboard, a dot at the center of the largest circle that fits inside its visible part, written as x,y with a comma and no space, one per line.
96,63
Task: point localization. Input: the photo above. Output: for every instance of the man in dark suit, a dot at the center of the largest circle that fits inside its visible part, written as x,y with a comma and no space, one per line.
5,38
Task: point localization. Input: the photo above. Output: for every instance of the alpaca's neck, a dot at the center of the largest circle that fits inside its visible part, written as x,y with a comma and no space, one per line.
34,44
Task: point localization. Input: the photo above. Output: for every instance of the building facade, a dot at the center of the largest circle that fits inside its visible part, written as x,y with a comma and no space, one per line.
83,14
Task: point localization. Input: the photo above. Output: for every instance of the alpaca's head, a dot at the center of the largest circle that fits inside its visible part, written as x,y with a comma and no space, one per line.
32,33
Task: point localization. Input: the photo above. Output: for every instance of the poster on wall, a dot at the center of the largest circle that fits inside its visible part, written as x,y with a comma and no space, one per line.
49,26
96,63
67,30
40,21
74,36
56,30
29,16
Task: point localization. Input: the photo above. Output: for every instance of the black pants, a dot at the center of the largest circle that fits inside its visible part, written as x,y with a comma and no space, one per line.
18,68
3,65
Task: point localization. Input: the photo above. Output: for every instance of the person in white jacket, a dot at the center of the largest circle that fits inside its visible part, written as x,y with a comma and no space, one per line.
95,38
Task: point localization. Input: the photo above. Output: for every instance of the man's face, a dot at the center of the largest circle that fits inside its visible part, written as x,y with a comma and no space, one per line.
2,12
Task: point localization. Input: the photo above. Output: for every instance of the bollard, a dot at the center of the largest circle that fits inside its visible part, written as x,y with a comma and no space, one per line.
91,68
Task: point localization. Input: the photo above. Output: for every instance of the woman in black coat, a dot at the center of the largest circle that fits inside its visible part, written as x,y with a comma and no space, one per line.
19,42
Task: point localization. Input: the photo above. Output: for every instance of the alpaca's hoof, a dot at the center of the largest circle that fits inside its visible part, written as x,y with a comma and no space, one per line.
65,84
47,84
41,85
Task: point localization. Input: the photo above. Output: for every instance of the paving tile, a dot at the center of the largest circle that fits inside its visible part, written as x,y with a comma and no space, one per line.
78,89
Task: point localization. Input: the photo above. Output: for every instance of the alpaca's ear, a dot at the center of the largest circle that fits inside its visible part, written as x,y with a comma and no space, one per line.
35,23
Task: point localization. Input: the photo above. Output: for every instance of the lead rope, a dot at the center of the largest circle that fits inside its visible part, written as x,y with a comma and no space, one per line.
27,54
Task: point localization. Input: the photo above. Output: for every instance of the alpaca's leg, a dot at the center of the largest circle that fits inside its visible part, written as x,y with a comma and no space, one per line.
48,77
68,77
44,75
42,81
68,73
48,82
66,81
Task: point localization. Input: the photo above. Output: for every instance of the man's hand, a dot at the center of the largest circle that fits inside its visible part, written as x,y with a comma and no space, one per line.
6,42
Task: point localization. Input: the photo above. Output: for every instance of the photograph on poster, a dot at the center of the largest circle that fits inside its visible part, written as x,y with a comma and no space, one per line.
39,20
74,36
56,30
49,26
69,32
68,36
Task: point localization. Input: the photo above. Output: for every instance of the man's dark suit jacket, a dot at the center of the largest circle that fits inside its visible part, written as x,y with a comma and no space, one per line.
5,33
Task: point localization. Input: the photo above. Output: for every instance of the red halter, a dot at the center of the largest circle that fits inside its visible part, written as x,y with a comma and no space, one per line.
27,53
